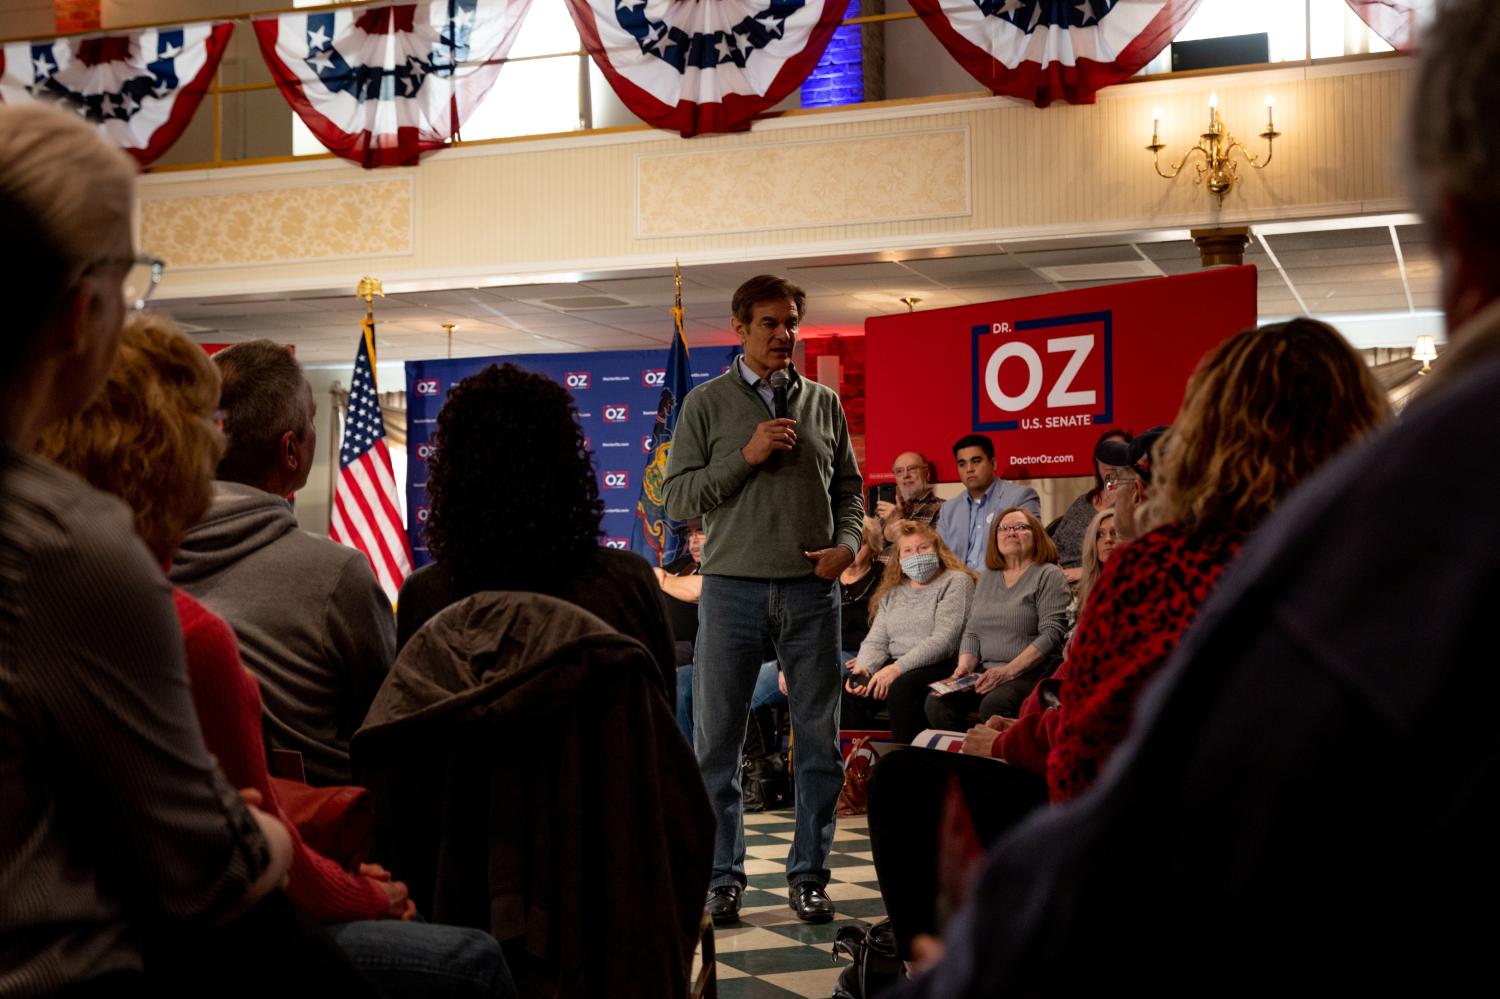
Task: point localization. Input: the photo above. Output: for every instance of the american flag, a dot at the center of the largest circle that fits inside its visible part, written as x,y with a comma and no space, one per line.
366,514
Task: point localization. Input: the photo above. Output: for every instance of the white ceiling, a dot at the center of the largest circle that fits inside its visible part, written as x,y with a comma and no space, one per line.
1376,275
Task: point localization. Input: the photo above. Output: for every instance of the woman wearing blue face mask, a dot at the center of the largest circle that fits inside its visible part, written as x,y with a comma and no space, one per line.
917,620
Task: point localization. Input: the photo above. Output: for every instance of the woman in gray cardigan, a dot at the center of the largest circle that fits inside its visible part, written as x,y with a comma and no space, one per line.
917,619
1016,624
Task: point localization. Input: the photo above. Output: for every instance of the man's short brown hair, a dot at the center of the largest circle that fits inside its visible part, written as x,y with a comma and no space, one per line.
265,394
766,288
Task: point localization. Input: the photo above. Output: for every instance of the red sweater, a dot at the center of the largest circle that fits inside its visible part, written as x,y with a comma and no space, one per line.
227,698
1139,609
1147,596
1027,743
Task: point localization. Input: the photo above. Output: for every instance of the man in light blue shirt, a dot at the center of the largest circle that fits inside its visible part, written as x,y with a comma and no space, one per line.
966,521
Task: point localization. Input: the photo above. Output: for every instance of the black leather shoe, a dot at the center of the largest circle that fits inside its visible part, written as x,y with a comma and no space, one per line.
723,904
811,903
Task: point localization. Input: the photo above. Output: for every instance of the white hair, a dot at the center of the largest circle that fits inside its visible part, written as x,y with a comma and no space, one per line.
74,181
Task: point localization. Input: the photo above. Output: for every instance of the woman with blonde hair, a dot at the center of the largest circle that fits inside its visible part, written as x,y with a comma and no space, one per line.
1264,410
917,616
149,437
1099,541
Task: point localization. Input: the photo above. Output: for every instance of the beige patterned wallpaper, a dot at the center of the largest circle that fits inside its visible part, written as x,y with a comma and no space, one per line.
283,225
881,180
913,175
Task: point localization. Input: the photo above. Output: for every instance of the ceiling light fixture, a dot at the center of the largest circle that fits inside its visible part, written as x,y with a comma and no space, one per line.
449,328
1217,146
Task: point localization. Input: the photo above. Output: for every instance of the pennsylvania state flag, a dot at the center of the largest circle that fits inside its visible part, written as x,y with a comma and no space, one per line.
652,528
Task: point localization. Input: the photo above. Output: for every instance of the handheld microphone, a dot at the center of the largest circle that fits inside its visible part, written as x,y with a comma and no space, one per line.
778,380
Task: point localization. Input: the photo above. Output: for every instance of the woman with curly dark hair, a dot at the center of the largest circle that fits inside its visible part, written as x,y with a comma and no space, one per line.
515,506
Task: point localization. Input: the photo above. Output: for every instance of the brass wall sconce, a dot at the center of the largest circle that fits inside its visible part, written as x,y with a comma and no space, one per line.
1218,170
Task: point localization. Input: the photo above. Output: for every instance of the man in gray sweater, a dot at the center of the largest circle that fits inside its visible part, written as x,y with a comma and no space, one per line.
313,624
764,456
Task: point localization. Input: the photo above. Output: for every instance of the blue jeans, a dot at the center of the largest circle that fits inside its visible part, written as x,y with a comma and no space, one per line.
425,959
801,616
767,694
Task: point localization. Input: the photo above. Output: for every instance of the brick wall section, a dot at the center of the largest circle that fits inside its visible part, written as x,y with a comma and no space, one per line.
839,77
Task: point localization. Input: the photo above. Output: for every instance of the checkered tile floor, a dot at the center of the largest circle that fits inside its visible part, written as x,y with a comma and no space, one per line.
773,954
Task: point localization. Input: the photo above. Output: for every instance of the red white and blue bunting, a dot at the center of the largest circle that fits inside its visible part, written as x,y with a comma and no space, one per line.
1047,50
382,84
705,67
1397,21
139,88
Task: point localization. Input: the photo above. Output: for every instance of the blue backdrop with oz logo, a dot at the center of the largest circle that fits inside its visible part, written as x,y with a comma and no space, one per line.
617,392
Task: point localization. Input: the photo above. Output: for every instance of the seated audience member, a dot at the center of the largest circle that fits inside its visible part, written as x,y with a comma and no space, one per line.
915,500
857,584
965,522
917,618
1025,740
1099,541
1264,409
681,585
1068,534
116,827
1129,477
149,438
313,624
515,506
1317,766
682,590
1016,626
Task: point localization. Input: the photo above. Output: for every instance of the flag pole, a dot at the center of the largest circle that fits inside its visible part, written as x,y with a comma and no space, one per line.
677,298
368,288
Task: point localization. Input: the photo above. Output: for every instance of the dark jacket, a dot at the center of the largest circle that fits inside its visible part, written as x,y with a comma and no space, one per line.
617,586
531,782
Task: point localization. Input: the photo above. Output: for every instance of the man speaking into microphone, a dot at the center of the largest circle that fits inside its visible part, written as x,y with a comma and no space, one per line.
763,456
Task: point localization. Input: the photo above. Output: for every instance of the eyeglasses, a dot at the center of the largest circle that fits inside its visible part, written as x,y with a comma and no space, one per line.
900,470
1014,528
1117,479
141,277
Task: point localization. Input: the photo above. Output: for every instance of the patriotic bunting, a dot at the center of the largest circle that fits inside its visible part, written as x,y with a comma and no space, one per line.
384,83
1397,21
1047,50
705,67
139,88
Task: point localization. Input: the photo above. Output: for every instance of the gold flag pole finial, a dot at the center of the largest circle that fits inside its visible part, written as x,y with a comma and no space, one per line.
368,288
677,299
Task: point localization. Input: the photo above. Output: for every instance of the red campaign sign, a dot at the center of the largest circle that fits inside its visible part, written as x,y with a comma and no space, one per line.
1043,377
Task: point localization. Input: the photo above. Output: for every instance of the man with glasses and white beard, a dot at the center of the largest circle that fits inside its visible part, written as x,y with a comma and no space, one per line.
915,500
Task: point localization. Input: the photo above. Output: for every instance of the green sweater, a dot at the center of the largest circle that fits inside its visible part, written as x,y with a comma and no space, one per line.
760,519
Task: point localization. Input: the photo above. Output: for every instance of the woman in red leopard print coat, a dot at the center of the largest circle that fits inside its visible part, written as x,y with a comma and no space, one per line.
1264,410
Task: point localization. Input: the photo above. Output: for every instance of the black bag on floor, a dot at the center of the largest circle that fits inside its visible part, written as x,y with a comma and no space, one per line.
765,779
873,951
